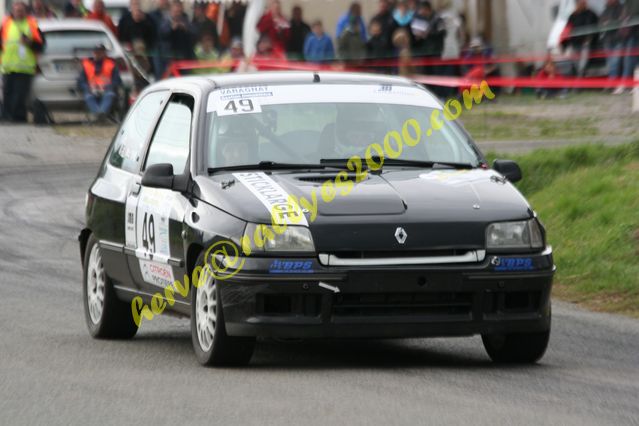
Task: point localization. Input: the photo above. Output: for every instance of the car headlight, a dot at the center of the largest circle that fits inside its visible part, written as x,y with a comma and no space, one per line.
525,234
293,239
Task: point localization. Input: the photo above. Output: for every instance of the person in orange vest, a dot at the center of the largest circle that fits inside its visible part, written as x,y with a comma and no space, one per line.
20,42
99,81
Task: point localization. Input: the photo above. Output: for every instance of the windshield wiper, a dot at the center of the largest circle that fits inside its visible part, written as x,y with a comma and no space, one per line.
424,164
267,165
401,162
339,162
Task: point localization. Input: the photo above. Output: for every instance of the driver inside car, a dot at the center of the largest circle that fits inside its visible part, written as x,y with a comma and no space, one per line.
237,143
355,129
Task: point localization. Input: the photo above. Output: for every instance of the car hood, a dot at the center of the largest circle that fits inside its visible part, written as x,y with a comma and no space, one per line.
437,209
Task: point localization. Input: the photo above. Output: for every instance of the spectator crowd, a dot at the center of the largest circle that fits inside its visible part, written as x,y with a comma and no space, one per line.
399,32
399,29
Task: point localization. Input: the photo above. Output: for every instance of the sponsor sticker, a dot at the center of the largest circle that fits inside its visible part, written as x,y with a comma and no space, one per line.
238,100
291,267
152,227
508,264
244,92
274,198
226,101
129,230
158,274
456,177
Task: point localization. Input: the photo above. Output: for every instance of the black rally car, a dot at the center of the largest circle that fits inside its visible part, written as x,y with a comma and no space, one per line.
426,241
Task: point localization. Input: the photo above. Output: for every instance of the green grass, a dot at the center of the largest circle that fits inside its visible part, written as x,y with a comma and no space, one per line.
588,198
499,125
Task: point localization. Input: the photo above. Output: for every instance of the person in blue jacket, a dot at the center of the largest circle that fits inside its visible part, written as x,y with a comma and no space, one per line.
354,14
318,46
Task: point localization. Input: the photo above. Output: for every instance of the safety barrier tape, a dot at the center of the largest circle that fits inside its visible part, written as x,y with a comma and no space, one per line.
264,64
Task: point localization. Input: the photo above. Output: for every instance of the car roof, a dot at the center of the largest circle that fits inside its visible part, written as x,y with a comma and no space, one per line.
71,24
206,82
305,77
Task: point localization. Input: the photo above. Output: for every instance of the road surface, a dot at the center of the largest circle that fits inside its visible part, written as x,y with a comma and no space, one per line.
52,372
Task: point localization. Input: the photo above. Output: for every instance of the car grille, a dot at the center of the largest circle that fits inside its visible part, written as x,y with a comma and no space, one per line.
370,254
398,304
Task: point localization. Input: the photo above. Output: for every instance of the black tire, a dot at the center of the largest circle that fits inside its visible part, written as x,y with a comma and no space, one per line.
116,319
516,348
224,350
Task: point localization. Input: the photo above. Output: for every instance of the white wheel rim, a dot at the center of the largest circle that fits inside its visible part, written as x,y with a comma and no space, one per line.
206,313
96,279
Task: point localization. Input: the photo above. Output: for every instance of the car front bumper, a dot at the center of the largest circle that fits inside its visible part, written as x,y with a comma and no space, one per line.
503,294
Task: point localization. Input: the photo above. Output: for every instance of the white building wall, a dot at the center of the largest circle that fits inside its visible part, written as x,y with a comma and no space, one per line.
529,23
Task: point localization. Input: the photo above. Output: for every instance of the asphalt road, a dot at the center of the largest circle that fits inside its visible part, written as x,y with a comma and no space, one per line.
52,372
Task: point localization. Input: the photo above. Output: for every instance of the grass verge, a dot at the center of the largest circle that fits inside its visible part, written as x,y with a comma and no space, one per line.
499,125
588,198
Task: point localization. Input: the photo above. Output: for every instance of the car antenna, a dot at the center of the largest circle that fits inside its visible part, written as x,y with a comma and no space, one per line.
316,77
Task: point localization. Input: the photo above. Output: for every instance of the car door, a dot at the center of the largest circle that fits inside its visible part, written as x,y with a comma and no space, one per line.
158,259
117,179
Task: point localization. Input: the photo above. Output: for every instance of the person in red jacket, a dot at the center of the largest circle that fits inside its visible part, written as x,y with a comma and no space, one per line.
99,14
274,25
549,71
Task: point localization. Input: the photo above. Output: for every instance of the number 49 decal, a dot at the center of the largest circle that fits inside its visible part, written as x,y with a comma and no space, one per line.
240,106
148,233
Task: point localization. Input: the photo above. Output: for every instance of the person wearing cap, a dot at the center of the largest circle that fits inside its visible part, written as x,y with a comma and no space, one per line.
20,42
99,81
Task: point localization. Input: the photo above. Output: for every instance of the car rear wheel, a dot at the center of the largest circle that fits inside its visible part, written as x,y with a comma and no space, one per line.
213,347
107,317
516,348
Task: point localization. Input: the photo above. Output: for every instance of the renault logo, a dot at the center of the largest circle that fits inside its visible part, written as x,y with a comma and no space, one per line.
401,235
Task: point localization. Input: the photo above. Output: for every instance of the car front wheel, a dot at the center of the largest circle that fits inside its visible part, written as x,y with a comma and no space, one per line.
107,317
213,347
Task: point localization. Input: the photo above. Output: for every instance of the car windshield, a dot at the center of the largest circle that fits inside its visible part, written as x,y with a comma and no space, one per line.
311,124
71,42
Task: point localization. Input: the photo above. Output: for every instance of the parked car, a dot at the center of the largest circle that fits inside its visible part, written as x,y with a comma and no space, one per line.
68,41
430,243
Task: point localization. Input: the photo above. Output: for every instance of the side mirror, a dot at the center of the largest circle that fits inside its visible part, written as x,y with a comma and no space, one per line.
158,176
509,169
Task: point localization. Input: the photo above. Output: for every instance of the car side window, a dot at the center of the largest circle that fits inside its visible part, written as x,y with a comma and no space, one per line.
172,137
127,148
